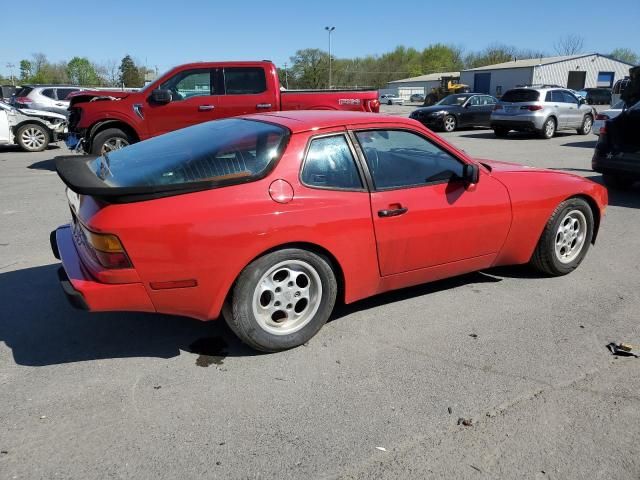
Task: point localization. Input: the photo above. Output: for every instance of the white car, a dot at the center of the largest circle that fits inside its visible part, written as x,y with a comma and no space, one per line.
391,99
33,130
605,115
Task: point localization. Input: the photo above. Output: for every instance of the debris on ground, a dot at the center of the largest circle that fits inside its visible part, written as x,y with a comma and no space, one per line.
624,349
382,449
475,468
450,410
473,335
157,387
467,422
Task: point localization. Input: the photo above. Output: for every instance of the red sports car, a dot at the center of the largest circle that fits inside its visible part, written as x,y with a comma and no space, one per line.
271,218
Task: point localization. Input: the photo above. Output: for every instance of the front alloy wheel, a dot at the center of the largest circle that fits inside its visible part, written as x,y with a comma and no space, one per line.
449,123
33,138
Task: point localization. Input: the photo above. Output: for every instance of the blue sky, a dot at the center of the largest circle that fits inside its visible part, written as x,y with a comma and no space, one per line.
166,34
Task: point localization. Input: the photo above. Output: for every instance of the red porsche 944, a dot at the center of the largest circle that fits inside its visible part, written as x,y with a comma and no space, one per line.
270,219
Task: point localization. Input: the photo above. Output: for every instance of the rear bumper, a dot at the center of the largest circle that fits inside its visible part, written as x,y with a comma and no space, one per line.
83,291
526,125
624,165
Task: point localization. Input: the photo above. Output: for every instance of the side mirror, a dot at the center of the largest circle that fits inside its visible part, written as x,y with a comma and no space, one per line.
471,174
581,101
161,96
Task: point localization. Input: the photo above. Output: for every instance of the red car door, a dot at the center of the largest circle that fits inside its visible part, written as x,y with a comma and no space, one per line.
246,91
194,100
424,215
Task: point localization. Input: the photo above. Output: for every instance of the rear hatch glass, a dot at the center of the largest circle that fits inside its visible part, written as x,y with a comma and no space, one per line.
521,95
203,156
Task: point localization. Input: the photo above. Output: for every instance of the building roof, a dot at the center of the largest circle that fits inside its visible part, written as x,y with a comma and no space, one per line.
534,62
430,77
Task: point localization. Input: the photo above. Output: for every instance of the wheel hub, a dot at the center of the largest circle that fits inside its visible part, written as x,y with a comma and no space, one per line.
570,236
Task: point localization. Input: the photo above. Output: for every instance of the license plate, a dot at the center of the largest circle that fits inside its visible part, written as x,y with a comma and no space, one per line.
74,200
511,109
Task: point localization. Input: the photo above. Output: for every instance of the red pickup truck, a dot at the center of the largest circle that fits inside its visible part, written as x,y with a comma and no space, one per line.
100,121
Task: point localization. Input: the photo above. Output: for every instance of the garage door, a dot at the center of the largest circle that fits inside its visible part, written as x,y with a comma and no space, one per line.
576,80
482,82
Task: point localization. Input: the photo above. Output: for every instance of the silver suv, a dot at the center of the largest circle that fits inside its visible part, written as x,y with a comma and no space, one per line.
541,110
51,98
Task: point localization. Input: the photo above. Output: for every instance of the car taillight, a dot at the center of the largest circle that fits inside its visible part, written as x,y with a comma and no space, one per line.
107,249
23,100
603,129
374,105
602,116
531,108
497,107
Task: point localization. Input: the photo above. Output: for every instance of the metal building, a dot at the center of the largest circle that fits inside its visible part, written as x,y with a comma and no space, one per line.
423,84
571,71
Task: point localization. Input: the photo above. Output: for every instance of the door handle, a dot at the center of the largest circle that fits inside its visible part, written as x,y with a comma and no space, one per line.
263,105
394,212
205,108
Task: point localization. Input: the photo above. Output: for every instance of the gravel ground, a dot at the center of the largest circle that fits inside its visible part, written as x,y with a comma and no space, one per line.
377,394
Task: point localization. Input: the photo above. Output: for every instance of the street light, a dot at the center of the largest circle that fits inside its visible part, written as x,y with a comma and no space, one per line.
329,29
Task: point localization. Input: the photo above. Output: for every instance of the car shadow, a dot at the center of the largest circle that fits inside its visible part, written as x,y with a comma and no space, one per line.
488,135
44,165
41,328
586,144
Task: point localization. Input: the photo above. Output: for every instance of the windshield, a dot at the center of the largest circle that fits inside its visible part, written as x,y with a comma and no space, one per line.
220,151
453,100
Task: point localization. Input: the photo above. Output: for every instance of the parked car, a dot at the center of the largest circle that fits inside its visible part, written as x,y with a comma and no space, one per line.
618,89
273,218
541,110
617,153
416,98
458,110
32,130
7,92
605,115
598,96
391,99
50,98
194,93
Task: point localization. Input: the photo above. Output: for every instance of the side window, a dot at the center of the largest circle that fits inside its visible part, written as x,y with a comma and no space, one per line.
63,93
190,83
568,98
403,159
48,92
488,100
475,101
244,80
330,164
556,96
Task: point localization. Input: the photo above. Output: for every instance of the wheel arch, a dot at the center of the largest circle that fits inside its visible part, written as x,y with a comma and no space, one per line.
595,210
114,123
32,121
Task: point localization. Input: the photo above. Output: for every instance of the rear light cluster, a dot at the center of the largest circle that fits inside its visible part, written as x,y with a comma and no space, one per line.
23,100
531,108
373,105
497,107
107,249
602,116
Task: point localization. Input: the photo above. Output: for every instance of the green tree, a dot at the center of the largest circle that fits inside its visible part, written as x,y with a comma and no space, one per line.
309,68
82,72
625,55
26,70
130,74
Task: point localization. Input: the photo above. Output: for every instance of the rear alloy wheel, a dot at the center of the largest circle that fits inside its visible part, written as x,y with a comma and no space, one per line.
282,299
449,123
565,239
548,129
109,140
617,181
33,137
587,125
389,102
501,132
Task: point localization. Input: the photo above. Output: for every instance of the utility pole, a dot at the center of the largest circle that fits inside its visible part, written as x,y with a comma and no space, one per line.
330,30
11,66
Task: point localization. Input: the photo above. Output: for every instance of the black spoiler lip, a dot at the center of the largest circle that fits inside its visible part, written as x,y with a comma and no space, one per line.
74,171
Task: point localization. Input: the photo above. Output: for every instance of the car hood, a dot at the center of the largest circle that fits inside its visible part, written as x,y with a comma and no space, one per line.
41,113
96,95
498,166
437,108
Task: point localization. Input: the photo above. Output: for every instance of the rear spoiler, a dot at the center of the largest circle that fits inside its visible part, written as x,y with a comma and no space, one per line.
75,172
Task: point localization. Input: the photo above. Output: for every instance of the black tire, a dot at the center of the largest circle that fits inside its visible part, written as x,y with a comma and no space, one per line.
108,135
587,125
449,123
548,131
239,312
545,259
431,99
389,102
617,182
33,137
500,132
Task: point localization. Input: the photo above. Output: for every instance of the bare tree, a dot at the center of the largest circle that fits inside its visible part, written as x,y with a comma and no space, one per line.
571,44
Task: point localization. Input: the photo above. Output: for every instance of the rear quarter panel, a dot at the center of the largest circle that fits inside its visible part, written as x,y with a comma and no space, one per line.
321,100
212,235
534,196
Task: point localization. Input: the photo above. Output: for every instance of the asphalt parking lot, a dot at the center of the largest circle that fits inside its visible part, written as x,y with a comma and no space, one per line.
378,393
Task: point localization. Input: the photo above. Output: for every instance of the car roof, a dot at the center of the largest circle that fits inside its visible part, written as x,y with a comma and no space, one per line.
305,120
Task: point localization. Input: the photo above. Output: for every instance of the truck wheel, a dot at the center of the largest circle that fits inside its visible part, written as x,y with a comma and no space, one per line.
617,181
32,137
548,129
430,100
500,132
565,239
109,140
587,125
282,299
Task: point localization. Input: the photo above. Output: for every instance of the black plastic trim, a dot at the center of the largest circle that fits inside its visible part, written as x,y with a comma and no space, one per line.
54,244
74,297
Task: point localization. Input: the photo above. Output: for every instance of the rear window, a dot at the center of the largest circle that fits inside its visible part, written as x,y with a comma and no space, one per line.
244,80
225,151
521,95
24,91
63,93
